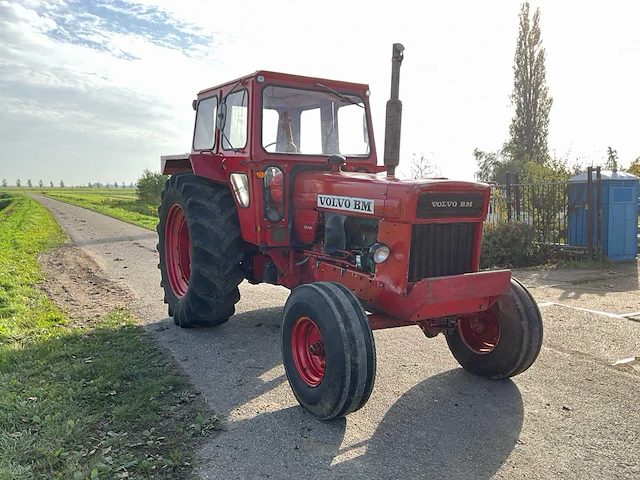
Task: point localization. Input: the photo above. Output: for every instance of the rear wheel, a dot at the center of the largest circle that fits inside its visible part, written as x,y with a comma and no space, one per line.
503,341
328,349
200,248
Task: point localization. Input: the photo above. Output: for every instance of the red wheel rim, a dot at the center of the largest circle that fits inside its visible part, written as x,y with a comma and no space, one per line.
482,333
308,351
177,250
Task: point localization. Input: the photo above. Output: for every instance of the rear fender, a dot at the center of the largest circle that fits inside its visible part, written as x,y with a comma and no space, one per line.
172,164
204,164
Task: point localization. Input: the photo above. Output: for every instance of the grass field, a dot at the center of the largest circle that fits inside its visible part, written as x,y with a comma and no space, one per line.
118,203
89,400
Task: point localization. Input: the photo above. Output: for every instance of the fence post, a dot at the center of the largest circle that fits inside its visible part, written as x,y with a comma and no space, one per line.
509,197
517,191
590,212
599,213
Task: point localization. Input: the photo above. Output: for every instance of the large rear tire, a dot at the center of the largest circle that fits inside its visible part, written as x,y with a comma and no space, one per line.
328,349
200,247
502,342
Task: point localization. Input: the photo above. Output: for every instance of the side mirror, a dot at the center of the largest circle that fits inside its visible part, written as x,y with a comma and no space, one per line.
222,116
194,104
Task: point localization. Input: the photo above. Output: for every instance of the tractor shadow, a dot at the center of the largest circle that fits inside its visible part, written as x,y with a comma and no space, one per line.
453,425
232,363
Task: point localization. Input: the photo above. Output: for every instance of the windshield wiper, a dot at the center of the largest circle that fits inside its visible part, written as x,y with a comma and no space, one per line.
339,95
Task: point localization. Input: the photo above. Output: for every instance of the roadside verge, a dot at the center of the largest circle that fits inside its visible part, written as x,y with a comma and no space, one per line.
84,391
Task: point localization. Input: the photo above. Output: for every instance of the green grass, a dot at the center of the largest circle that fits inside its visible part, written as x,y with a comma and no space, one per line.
96,400
117,203
588,263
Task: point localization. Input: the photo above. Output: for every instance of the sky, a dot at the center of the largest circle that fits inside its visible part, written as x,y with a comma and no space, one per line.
97,91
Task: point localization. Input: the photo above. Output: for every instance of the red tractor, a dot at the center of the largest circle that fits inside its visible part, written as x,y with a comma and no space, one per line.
283,186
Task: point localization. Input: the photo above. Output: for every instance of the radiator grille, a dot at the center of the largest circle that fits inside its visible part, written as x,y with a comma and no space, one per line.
440,250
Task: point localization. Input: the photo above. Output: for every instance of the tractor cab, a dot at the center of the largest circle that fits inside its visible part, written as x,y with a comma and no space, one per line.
269,116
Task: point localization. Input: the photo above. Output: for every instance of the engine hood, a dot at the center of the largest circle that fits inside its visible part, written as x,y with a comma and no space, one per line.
377,195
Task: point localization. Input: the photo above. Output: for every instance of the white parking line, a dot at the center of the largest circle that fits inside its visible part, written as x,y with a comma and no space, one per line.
588,310
546,304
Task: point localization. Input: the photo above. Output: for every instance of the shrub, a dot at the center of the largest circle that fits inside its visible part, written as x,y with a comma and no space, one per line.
149,187
510,245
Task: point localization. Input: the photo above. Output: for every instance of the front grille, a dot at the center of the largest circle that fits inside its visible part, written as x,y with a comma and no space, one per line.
438,250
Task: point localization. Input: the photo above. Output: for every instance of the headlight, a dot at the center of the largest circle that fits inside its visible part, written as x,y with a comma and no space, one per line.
379,252
240,184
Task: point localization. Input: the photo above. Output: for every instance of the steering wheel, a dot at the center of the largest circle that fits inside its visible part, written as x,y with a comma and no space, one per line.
290,143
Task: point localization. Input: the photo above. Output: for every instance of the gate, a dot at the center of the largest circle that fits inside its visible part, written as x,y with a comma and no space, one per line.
557,211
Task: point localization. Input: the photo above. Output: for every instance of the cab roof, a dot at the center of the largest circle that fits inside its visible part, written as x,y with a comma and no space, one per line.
290,79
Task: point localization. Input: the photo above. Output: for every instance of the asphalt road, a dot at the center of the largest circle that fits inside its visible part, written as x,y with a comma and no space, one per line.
573,415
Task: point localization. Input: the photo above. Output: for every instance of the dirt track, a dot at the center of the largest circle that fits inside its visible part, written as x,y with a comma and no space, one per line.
572,415
77,283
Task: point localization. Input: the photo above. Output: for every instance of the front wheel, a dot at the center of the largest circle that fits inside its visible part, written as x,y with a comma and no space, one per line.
328,349
502,342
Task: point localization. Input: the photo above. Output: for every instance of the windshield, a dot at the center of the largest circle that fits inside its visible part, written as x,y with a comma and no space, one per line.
313,122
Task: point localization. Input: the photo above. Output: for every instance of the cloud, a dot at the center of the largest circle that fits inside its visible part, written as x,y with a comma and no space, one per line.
96,73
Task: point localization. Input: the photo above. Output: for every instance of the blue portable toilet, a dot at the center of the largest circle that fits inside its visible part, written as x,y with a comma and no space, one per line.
619,213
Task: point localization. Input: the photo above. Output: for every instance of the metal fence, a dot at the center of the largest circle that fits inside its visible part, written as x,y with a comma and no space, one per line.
552,210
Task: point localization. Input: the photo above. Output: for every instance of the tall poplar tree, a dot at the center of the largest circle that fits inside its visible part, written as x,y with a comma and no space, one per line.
530,126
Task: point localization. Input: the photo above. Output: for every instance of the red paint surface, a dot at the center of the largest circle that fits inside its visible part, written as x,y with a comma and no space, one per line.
308,351
177,251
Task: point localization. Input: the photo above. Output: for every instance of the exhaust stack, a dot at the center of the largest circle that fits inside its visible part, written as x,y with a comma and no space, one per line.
394,114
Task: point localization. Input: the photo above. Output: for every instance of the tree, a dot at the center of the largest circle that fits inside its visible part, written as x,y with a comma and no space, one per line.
115,184
51,184
29,184
634,168
61,184
494,166
18,183
150,187
423,167
612,160
40,184
530,126
4,182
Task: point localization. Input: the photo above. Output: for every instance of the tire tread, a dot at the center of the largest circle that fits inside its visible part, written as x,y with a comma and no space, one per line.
216,251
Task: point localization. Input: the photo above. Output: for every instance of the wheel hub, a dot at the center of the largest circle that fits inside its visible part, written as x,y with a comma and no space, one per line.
482,333
308,351
177,250
317,349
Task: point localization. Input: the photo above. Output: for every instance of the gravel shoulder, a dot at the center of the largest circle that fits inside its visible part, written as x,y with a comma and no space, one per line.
572,415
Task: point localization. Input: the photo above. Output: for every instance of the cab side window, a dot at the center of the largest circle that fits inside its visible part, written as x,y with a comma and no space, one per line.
204,137
235,127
